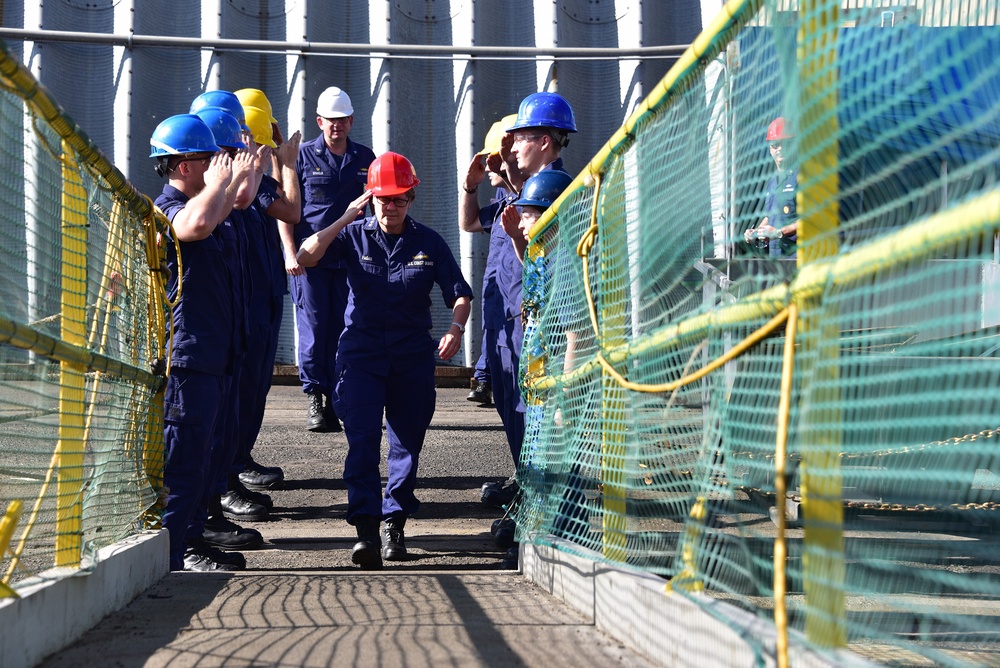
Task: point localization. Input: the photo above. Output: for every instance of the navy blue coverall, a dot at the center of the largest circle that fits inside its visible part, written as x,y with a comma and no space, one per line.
269,285
329,183
502,326
502,331
779,207
233,232
201,362
385,361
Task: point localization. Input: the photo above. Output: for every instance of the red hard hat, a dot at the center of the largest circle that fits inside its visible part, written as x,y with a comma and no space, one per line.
776,130
391,174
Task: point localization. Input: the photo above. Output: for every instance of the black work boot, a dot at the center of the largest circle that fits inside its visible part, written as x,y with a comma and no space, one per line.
201,558
237,504
315,421
503,531
224,534
510,559
256,476
499,495
257,497
476,390
481,393
393,540
331,417
367,551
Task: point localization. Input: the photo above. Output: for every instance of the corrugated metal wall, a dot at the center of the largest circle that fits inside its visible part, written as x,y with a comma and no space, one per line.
435,111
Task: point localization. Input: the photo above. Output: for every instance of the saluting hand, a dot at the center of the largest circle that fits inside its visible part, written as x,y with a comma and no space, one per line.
506,144
511,219
288,151
276,135
243,163
263,157
359,204
314,246
220,170
494,163
475,174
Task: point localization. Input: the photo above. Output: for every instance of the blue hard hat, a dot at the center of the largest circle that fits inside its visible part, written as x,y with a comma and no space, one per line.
219,98
544,110
544,188
182,134
226,129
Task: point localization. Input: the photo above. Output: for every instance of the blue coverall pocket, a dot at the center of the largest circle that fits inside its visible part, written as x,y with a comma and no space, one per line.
338,386
191,398
373,269
318,189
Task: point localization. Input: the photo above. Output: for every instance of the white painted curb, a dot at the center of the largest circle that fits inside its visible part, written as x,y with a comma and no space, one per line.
668,629
55,609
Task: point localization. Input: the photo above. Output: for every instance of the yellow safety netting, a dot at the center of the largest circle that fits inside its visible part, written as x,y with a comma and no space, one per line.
800,421
81,341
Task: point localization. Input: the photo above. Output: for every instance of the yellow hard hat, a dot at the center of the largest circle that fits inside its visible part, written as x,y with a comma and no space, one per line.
260,126
253,97
495,135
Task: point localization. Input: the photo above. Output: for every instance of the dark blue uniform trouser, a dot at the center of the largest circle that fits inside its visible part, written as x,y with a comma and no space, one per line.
482,373
223,450
192,411
503,363
320,297
407,397
255,383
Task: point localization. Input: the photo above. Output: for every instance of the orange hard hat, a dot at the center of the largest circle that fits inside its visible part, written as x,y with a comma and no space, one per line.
391,174
776,130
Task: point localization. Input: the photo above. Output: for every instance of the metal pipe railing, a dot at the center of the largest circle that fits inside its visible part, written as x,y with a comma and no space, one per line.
344,49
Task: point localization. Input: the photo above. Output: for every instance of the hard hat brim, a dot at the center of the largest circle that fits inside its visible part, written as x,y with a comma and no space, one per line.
392,191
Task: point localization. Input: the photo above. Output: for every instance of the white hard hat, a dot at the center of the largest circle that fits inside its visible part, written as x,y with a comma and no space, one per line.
334,103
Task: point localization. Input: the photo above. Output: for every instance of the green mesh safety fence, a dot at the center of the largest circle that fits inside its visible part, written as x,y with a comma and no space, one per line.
81,324
658,434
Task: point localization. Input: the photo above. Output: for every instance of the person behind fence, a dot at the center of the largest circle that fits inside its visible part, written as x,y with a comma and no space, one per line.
538,194
200,193
332,171
487,163
777,233
385,361
536,139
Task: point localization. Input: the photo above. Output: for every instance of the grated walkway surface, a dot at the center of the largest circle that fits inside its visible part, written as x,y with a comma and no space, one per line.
301,602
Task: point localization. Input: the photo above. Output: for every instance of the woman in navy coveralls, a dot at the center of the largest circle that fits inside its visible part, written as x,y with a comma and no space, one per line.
385,360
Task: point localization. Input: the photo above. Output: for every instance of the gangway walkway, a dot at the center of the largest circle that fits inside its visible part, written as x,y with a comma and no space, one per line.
301,603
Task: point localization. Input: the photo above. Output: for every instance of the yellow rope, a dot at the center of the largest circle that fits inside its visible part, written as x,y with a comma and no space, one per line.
15,555
687,579
780,486
583,250
7,524
161,306
733,353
